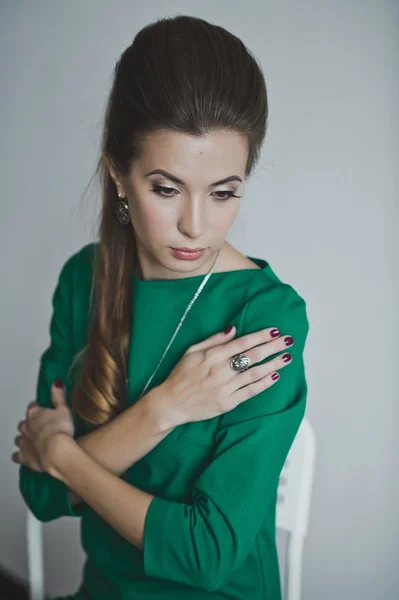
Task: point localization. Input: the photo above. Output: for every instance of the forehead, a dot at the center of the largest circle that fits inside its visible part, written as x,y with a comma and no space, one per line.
184,153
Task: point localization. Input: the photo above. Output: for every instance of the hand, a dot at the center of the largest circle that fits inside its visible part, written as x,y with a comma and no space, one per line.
26,455
203,385
41,431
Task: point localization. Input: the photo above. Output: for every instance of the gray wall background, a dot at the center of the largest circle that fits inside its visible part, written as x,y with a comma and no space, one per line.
322,208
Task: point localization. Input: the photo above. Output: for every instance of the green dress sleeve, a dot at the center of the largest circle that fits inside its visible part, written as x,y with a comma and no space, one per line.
46,496
203,542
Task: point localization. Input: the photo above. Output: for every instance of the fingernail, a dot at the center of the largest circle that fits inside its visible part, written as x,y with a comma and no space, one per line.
58,383
288,341
274,333
287,357
228,329
275,376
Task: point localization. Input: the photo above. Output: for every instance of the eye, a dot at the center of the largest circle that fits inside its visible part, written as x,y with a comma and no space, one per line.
160,189
229,195
165,192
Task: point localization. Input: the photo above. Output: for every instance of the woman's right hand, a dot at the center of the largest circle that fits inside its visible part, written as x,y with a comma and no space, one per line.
203,385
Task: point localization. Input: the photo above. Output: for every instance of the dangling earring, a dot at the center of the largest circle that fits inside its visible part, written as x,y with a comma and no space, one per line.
122,210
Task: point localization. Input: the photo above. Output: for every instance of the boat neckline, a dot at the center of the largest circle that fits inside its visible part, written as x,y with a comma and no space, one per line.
259,261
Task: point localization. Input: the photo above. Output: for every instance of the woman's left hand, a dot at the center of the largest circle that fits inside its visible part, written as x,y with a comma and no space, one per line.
41,431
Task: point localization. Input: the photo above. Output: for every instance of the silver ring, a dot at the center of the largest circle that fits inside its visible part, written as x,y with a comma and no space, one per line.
240,362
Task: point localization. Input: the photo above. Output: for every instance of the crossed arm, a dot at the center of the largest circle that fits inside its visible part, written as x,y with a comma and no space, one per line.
123,506
90,467
112,445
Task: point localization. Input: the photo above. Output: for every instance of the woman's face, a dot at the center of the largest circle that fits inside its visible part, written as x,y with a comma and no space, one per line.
192,213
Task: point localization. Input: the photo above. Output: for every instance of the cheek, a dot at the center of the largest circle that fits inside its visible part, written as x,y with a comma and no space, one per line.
223,218
152,218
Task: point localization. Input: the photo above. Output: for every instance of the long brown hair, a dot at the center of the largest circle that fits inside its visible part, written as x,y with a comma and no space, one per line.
181,74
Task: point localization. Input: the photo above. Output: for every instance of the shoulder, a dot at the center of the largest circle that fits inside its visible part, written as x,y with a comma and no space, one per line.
272,302
81,262
75,281
74,293
76,274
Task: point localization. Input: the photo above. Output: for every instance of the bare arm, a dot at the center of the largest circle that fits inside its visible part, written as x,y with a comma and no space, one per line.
123,506
119,444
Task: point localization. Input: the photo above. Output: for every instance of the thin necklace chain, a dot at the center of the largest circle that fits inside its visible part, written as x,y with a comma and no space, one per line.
197,293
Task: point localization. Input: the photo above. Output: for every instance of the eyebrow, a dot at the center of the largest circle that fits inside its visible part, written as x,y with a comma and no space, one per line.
177,180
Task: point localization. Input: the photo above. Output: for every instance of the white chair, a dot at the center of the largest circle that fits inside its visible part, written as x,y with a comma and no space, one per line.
34,539
292,515
293,505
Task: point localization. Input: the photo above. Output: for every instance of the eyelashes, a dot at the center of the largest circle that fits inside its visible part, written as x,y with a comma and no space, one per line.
160,190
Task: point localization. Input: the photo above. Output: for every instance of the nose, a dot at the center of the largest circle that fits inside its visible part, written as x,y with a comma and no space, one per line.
192,219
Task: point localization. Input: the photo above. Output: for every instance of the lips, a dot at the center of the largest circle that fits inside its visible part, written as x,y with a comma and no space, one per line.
183,255
189,249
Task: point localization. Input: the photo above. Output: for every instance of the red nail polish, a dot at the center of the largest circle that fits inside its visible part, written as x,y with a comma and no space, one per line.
274,333
286,357
228,329
275,376
59,384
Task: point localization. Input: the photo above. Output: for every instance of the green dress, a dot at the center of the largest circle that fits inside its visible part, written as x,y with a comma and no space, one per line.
210,530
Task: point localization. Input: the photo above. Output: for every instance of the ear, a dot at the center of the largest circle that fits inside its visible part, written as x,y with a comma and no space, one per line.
58,393
112,170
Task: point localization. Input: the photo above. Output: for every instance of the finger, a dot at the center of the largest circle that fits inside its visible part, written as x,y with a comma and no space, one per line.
22,427
31,405
58,393
32,410
24,444
19,457
252,340
18,440
31,416
26,460
15,457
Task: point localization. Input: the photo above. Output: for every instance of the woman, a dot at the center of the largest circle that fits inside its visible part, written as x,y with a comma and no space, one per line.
158,420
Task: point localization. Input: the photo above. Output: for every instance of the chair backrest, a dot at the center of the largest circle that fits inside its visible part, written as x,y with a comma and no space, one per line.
293,505
34,543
